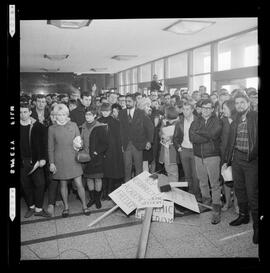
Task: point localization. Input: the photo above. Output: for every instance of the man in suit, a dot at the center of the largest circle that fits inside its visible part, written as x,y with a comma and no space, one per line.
137,132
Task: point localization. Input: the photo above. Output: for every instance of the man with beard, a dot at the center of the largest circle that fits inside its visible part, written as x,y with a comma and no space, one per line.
242,155
136,135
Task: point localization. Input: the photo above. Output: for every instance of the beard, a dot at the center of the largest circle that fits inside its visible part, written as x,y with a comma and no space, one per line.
243,112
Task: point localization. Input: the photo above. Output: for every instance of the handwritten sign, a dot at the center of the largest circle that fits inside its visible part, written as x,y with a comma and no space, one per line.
141,191
182,198
164,214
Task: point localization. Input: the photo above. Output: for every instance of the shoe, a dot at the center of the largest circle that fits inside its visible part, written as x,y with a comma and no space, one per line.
216,214
86,211
255,238
29,213
242,219
225,207
42,213
50,210
65,213
92,195
97,200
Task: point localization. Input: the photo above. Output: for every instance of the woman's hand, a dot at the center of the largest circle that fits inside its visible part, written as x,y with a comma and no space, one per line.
53,168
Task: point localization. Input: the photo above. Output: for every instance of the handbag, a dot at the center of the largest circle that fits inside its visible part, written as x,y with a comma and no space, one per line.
82,156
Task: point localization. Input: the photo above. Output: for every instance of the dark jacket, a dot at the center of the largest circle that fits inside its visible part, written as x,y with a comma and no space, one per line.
155,85
77,115
206,137
252,127
224,137
113,162
98,145
47,119
38,141
139,131
178,135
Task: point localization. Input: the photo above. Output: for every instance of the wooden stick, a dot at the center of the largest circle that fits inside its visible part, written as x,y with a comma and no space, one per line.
144,233
103,216
209,207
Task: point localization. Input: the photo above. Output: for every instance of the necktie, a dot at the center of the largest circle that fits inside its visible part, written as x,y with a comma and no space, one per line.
129,116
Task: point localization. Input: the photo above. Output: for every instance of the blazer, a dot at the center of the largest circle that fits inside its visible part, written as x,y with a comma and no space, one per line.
139,131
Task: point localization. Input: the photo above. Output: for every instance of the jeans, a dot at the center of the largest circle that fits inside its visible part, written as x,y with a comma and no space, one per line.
33,185
209,167
245,176
132,155
188,163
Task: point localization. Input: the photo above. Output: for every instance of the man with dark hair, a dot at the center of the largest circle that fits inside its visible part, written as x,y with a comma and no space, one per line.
138,97
78,114
205,134
242,155
196,95
41,111
33,148
112,97
153,94
122,101
136,135
174,100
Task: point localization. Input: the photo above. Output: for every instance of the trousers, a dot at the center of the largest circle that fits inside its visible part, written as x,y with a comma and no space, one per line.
132,156
33,185
209,167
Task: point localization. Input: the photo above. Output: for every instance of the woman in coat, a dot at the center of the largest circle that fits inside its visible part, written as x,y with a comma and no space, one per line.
113,161
97,144
228,109
62,156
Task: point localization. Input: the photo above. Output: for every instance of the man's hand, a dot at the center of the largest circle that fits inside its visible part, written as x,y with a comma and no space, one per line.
179,149
53,168
148,146
42,163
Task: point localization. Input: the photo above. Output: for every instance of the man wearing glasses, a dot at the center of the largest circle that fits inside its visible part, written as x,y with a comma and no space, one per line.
204,134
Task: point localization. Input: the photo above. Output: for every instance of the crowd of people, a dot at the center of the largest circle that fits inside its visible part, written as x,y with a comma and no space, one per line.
195,134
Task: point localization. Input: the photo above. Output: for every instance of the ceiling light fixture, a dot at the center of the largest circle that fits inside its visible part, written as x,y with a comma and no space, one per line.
124,57
56,57
188,26
73,24
50,69
98,69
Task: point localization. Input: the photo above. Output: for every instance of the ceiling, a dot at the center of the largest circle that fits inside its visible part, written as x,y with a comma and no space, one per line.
93,46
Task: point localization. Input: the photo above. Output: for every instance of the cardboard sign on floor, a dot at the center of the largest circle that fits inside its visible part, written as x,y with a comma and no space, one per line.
164,214
182,198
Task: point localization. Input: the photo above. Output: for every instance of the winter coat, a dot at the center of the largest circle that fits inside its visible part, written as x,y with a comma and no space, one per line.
38,140
206,137
114,161
98,145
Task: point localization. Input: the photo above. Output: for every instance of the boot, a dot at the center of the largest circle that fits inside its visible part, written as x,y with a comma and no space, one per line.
92,198
216,214
97,200
104,190
243,217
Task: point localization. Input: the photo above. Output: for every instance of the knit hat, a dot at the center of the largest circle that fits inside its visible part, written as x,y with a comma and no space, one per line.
105,106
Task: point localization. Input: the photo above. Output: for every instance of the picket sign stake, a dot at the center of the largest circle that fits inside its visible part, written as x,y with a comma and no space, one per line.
209,207
144,233
103,216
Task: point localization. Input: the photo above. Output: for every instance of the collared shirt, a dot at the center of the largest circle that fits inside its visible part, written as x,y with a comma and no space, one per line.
131,112
242,137
186,142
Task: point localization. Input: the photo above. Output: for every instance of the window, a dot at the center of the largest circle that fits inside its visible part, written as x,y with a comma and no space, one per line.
159,69
134,75
177,66
197,81
145,73
121,78
202,60
127,78
239,51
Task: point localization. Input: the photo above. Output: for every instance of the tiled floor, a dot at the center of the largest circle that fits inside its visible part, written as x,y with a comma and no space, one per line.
117,236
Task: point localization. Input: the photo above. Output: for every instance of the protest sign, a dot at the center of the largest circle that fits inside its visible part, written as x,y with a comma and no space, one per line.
182,198
164,214
136,193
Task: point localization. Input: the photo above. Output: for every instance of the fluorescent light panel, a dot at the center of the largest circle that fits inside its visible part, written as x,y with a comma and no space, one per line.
73,24
188,26
56,57
123,57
